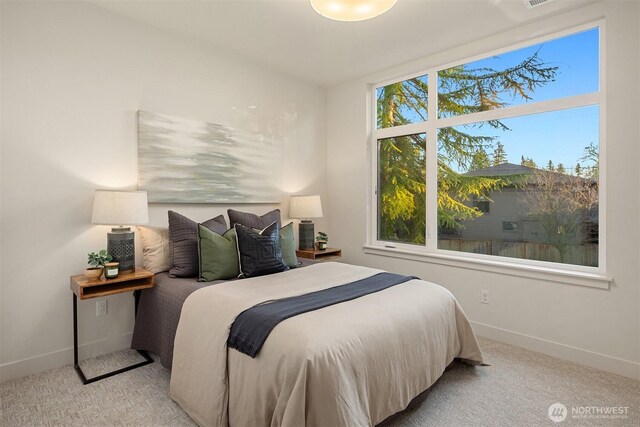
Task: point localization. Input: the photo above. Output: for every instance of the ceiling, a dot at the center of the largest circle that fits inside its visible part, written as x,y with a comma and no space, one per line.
291,37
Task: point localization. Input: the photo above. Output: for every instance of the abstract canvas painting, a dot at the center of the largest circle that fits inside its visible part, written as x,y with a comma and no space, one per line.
190,161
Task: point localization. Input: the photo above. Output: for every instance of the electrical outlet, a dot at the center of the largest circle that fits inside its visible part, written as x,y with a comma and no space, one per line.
101,307
484,296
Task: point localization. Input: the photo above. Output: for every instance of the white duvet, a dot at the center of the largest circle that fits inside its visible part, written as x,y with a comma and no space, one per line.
350,364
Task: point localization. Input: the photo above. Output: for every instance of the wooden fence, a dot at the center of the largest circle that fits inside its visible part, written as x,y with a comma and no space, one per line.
586,255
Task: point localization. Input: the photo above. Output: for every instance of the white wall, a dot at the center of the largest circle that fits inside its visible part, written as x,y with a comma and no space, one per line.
596,327
73,77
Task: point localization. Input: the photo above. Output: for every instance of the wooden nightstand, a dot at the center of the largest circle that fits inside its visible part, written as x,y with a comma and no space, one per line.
316,255
85,288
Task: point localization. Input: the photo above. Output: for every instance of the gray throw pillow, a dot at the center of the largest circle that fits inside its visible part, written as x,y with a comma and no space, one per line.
259,253
183,242
259,222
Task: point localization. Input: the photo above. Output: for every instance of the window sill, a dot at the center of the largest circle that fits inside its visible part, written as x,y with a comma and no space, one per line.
591,280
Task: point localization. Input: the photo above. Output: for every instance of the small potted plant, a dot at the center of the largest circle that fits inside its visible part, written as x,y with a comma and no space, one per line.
321,240
96,264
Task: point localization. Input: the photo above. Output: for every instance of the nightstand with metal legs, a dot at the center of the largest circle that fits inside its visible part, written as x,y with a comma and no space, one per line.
85,288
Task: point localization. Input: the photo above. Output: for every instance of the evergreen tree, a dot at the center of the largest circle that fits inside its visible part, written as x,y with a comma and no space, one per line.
528,161
499,155
480,161
560,168
550,166
578,170
402,177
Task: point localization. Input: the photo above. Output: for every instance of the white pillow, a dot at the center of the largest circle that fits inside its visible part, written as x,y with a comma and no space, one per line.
155,249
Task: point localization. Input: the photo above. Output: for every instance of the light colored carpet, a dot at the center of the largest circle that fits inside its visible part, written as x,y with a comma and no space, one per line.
516,390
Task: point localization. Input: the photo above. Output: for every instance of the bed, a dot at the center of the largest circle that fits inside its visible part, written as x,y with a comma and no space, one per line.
159,312
350,364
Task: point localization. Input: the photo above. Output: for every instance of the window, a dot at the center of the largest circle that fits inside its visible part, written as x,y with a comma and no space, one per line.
509,225
401,189
461,91
482,204
504,162
402,103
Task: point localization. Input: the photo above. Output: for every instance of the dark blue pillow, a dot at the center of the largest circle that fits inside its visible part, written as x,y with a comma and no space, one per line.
259,253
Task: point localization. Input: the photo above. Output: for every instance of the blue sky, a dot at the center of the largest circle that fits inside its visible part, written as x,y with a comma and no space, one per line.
559,136
576,57
562,135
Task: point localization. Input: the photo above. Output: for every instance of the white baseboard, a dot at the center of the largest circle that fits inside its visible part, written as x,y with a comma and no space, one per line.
592,359
56,359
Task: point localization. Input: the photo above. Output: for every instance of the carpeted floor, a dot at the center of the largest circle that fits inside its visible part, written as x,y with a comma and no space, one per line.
516,390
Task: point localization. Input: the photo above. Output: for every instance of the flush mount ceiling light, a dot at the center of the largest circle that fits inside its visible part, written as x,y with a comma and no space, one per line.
351,10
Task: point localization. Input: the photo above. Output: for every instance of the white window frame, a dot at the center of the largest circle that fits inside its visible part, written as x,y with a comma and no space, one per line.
564,273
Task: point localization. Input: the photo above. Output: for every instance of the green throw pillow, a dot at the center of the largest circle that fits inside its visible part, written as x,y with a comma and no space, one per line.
218,255
288,246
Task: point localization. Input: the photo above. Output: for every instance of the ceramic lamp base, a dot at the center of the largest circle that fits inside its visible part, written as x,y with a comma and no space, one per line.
305,235
121,246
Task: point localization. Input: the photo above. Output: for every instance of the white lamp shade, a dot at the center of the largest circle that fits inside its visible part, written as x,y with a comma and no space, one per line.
351,10
120,208
305,207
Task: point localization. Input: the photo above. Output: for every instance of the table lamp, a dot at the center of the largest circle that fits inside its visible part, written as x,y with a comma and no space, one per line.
121,208
305,208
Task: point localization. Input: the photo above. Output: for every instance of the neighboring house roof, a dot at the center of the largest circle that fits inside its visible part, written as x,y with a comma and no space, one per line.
507,169
501,170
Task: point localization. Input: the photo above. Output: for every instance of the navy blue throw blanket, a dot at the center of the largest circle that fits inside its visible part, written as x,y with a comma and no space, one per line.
252,327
